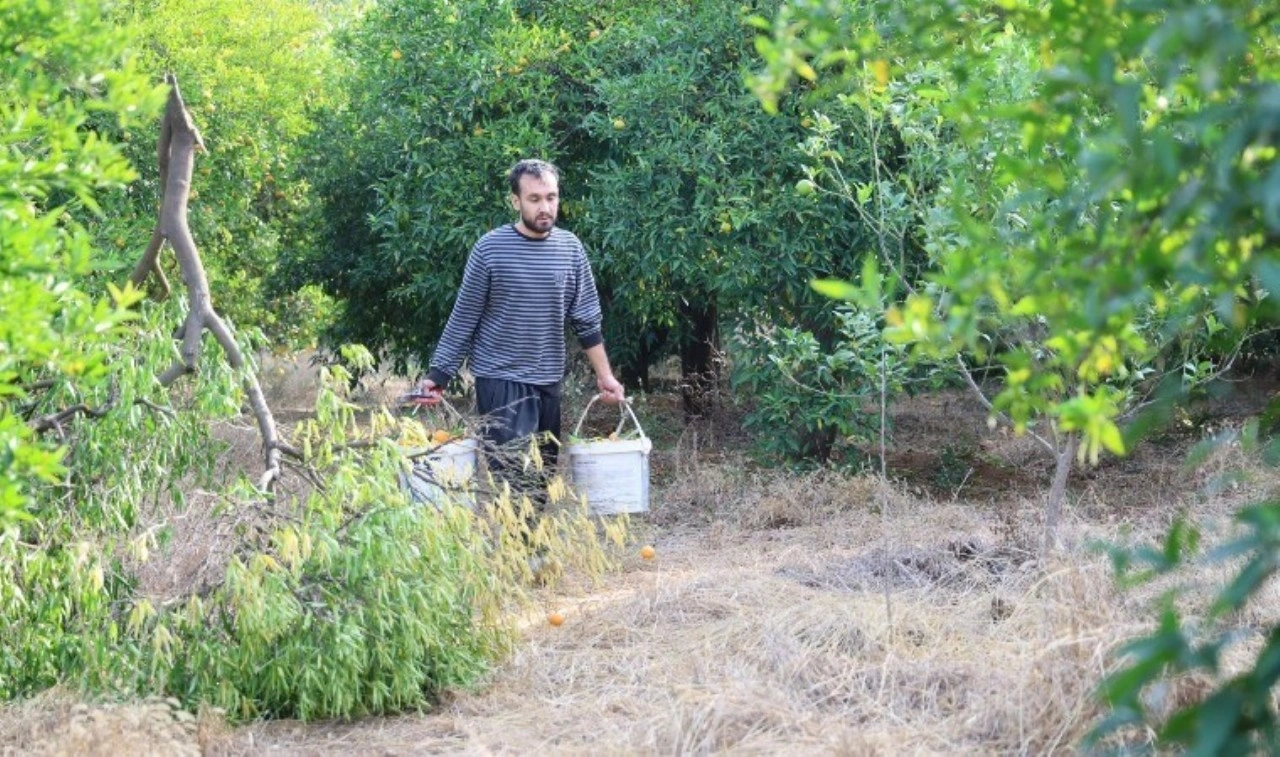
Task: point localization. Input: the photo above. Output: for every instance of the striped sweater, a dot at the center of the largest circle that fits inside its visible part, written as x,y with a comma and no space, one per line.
516,295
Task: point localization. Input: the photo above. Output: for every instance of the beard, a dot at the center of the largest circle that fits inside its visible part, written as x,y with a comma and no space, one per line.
539,223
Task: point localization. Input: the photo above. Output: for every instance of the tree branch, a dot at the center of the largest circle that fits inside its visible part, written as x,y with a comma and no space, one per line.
982,397
179,142
150,263
54,421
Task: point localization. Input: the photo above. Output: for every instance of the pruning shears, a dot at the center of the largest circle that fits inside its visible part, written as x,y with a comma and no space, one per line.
422,399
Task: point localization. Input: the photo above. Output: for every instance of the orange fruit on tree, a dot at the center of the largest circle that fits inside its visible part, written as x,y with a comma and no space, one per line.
555,619
647,552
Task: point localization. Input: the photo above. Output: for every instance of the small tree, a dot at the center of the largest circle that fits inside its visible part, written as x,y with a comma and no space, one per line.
1144,185
1023,244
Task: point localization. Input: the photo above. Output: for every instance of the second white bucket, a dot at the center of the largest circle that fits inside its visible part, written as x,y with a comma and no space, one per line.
444,474
613,475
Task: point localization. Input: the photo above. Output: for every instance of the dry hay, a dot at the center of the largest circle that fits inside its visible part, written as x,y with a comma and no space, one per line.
821,614
58,723
796,640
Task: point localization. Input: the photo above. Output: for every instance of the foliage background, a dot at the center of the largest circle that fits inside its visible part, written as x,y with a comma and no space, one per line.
1079,198
677,180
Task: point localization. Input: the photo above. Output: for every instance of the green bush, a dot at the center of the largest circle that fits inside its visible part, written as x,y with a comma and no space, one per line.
62,63
67,575
343,601
364,604
810,401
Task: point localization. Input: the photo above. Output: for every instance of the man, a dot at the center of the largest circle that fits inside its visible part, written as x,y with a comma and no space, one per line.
522,283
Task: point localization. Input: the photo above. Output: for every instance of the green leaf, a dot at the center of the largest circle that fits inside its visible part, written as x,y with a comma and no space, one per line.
836,289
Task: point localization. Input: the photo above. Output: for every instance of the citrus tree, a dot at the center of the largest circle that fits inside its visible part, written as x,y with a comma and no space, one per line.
64,64
679,185
1140,189
1020,180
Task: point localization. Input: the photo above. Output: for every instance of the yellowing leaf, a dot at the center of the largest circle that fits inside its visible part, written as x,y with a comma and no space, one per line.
834,288
1110,437
1046,54
880,70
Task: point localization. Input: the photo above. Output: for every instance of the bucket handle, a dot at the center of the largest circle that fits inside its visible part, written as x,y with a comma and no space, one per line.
621,422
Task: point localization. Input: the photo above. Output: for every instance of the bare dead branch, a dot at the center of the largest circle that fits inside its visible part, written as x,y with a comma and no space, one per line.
307,472
55,421
150,264
41,385
158,409
289,450
179,141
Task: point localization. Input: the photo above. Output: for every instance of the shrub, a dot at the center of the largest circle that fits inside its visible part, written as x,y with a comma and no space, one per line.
811,401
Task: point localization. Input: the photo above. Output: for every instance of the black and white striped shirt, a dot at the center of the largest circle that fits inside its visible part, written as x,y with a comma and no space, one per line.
516,295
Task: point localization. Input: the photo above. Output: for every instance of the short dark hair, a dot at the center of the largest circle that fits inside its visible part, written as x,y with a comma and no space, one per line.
530,167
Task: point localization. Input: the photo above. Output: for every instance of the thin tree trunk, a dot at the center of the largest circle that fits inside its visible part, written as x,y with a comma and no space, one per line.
698,370
1058,491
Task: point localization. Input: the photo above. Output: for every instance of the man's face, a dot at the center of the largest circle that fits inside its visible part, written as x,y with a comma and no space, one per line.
538,203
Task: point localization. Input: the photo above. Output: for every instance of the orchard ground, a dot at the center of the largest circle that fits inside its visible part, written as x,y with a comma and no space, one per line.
817,613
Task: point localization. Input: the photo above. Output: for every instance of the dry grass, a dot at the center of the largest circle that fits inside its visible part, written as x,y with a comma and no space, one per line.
58,723
832,630
819,614
769,641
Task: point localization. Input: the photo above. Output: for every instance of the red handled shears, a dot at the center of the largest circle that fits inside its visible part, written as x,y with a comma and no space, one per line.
422,399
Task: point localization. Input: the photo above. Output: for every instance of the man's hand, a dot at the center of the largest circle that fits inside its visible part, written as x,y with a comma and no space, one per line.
611,390
429,387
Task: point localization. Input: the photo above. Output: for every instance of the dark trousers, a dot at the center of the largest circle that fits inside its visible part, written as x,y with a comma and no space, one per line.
511,413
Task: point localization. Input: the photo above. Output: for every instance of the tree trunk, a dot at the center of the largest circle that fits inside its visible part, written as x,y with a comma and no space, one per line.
634,369
179,141
1058,491
699,369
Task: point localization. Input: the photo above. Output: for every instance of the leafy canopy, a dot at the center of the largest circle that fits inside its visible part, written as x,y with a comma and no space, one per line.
1143,180
63,64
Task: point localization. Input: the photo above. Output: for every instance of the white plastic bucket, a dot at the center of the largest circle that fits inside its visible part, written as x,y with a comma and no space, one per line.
443,474
613,476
